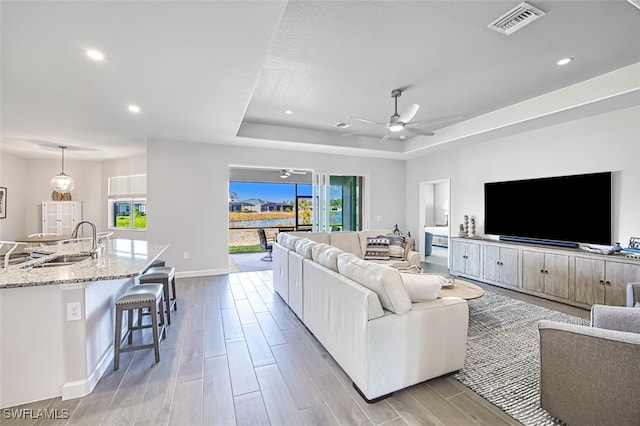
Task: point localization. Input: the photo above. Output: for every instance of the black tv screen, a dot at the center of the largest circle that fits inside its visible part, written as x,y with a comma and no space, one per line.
564,209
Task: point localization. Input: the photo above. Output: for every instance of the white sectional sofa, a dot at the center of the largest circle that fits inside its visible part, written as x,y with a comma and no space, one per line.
363,315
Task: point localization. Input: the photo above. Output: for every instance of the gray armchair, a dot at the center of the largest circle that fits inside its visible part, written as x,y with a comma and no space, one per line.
589,375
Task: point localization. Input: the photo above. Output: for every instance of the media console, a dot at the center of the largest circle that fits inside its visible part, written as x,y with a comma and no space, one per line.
566,275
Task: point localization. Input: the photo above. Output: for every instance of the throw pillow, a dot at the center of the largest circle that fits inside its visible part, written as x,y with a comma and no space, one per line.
637,305
422,287
397,245
377,248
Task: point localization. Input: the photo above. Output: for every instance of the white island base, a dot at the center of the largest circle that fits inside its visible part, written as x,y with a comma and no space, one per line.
45,355
57,323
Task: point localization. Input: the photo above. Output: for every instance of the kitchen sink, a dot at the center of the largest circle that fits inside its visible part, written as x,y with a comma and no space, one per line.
65,260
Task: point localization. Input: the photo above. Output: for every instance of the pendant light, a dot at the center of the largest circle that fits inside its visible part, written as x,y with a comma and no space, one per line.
62,182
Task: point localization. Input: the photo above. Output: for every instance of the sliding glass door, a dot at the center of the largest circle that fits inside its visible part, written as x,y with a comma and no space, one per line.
338,202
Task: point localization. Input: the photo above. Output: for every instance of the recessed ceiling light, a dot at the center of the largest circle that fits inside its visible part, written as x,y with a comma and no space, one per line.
133,108
288,112
95,55
564,61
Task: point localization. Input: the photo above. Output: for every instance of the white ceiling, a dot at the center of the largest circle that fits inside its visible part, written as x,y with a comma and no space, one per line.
225,71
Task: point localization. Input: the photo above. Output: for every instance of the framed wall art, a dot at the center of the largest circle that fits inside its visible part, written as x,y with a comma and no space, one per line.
3,202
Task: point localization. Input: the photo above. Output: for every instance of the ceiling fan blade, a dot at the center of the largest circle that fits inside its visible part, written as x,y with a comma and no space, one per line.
409,113
439,119
297,172
385,137
364,120
418,132
364,132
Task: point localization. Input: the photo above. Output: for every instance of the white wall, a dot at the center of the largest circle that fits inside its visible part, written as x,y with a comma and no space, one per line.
188,195
14,177
606,142
28,184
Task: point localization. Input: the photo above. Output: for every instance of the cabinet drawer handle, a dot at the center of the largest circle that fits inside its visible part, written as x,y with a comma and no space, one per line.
608,283
542,271
601,282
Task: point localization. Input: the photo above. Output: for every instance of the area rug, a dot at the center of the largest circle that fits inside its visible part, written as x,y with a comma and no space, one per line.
502,363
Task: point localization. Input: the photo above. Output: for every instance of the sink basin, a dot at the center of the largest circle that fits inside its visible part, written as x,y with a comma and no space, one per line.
66,260
70,258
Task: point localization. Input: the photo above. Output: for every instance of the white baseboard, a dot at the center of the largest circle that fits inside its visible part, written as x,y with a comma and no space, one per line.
203,273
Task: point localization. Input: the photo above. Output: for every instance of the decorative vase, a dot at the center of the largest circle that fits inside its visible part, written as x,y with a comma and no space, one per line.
617,248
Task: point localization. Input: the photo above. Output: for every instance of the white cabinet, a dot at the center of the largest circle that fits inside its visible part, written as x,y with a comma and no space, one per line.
500,265
465,258
60,217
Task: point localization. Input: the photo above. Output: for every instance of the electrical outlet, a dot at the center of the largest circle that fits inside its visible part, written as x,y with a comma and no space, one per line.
74,311
379,218
186,254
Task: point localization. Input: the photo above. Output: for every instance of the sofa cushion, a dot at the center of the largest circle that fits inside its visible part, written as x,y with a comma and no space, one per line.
383,280
347,241
287,240
304,247
318,237
422,287
326,255
377,248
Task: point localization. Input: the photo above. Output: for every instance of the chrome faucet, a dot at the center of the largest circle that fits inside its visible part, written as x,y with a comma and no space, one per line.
94,240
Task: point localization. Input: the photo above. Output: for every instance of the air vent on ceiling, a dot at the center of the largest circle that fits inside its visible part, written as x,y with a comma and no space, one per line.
516,18
342,125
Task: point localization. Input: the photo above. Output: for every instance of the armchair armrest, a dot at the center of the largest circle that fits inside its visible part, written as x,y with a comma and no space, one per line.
615,318
413,257
633,294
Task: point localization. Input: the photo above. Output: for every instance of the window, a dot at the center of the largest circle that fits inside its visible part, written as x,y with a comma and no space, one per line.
128,202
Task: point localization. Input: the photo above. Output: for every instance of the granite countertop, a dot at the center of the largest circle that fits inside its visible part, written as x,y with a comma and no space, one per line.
123,258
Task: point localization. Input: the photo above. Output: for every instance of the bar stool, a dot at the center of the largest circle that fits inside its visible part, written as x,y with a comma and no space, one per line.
167,276
146,296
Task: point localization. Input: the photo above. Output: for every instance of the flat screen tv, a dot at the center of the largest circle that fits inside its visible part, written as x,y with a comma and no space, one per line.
562,210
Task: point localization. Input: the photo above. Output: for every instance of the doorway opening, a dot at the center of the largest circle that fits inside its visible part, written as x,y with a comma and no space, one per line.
434,220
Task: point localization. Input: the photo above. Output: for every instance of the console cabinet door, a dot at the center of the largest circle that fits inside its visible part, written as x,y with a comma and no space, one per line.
509,266
533,270
458,257
556,280
473,259
491,257
465,258
589,284
500,264
617,275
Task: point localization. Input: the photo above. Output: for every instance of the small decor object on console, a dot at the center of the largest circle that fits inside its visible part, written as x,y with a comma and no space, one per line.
462,233
472,228
396,231
617,248
466,225
634,245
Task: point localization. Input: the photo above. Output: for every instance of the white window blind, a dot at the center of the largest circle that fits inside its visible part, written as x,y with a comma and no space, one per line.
128,186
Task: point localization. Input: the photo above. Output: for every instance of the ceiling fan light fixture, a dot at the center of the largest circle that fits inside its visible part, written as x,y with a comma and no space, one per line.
396,127
62,182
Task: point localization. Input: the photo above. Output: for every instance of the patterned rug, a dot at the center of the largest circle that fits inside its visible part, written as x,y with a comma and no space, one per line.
502,363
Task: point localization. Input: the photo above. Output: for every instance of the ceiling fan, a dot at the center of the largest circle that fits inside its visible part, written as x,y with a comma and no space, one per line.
397,122
285,173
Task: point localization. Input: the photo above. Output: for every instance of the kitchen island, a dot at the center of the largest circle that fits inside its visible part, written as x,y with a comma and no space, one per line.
57,320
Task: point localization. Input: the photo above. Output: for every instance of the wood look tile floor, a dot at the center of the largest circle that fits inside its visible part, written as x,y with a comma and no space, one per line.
236,355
